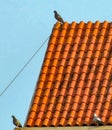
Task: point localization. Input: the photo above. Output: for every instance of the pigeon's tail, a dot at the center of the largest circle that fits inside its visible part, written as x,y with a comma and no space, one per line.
62,21
20,125
101,123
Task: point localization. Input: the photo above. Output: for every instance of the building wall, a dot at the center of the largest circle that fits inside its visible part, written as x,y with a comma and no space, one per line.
67,128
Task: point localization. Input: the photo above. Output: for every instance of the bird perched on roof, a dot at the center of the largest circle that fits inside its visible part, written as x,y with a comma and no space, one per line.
16,122
58,17
97,120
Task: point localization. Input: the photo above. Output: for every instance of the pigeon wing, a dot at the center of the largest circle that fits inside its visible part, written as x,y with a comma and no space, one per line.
16,122
99,121
59,18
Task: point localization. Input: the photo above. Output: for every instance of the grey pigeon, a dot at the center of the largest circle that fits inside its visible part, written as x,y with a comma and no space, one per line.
16,122
97,120
58,17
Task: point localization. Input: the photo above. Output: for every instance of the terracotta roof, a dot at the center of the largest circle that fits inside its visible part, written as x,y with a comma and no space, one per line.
75,79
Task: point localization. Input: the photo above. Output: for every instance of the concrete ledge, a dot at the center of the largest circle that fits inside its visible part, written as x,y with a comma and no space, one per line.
67,128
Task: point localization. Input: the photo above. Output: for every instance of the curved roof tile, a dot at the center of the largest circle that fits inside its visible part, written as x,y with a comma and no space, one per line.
76,77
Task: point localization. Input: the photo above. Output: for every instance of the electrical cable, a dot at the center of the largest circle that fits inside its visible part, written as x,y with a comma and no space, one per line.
25,65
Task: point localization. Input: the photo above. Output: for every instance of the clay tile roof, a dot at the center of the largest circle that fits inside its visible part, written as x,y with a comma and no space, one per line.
76,77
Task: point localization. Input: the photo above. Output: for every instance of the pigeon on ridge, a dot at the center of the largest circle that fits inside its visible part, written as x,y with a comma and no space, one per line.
97,120
58,17
16,122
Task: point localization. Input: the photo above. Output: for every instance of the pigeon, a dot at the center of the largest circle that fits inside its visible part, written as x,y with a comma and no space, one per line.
97,120
16,122
58,17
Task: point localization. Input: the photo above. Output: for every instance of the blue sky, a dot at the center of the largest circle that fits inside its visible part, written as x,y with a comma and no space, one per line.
24,26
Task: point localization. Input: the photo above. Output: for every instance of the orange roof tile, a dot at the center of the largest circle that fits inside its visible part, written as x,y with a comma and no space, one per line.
75,80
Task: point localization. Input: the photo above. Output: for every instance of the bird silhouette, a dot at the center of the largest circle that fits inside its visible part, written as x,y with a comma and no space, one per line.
97,120
16,121
58,17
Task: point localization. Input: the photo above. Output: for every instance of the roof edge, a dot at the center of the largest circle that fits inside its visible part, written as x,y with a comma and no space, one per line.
67,128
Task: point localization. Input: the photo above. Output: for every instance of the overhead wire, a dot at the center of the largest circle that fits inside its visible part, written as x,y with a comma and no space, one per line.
24,66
